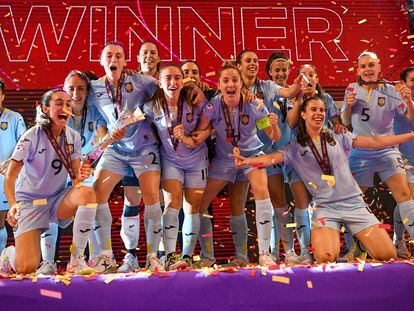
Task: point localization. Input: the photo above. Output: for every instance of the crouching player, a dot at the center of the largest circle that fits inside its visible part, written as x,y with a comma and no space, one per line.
41,162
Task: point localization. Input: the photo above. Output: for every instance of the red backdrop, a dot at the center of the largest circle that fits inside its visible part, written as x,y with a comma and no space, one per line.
41,41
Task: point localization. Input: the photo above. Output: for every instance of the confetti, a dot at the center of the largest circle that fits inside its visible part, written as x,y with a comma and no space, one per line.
253,272
329,179
280,279
263,270
68,112
260,104
291,225
165,211
40,202
274,267
257,164
207,216
51,293
309,284
34,279
343,229
362,21
385,226
275,103
196,258
321,220
313,185
92,205
410,37
188,79
206,235
199,191
376,264
113,277
405,220
361,266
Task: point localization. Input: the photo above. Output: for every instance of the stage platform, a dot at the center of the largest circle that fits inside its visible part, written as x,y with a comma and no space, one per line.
359,286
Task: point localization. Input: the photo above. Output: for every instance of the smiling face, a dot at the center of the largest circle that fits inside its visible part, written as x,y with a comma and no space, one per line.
192,71
113,61
171,81
77,88
59,109
279,71
310,72
369,68
408,83
249,65
148,58
314,114
230,84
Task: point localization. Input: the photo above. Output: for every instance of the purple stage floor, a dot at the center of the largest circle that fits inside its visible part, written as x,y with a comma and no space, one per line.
330,287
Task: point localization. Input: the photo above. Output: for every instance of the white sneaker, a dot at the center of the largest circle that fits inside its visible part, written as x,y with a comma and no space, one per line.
130,263
265,259
402,250
105,264
174,262
46,268
79,266
306,258
237,261
292,259
153,262
204,262
5,267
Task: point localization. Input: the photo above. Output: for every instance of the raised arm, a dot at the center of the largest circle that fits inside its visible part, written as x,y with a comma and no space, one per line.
381,141
347,110
263,160
273,131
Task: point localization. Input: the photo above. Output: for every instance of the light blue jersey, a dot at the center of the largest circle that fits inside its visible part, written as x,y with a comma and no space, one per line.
404,125
43,173
11,128
373,115
249,143
183,157
135,90
93,120
305,164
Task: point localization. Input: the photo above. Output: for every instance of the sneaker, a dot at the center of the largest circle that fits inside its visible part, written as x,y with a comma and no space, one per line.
79,266
5,267
105,264
237,261
130,263
188,260
204,262
402,250
346,258
306,258
265,259
174,262
276,257
153,262
46,268
292,259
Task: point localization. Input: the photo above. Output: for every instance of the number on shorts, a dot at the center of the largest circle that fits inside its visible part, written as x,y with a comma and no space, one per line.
365,114
154,158
57,165
400,163
204,172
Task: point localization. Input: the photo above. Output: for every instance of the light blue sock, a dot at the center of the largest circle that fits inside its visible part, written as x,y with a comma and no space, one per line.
190,230
206,236
3,238
284,217
170,226
153,228
264,223
48,243
399,227
302,221
407,212
82,227
238,226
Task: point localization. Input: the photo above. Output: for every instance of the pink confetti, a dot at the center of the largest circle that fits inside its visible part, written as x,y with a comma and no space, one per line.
51,293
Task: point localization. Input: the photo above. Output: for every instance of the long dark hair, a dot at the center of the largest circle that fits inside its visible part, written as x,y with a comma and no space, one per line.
159,94
81,75
303,136
320,93
275,56
42,119
158,51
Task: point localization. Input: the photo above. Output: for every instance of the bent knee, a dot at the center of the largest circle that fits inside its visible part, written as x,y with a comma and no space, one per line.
86,195
324,257
26,266
385,254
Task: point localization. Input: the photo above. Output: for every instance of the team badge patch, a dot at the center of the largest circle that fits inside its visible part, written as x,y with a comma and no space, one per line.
128,87
90,126
4,125
189,117
245,119
331,141
381,101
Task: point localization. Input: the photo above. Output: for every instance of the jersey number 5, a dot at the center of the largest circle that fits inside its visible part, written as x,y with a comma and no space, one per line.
365,115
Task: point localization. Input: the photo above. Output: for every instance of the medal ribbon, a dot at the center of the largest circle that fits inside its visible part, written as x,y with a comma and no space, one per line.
323,161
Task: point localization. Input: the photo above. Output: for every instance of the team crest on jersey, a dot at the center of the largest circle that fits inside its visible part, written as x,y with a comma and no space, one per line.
128,87
331,141
4,125
90,126
245,119
381,101
189,117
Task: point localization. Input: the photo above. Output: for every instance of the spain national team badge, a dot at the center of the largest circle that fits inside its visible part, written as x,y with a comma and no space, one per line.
71,149
245,119
90,126
128,87
189,117
331,141
381,101
4,125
